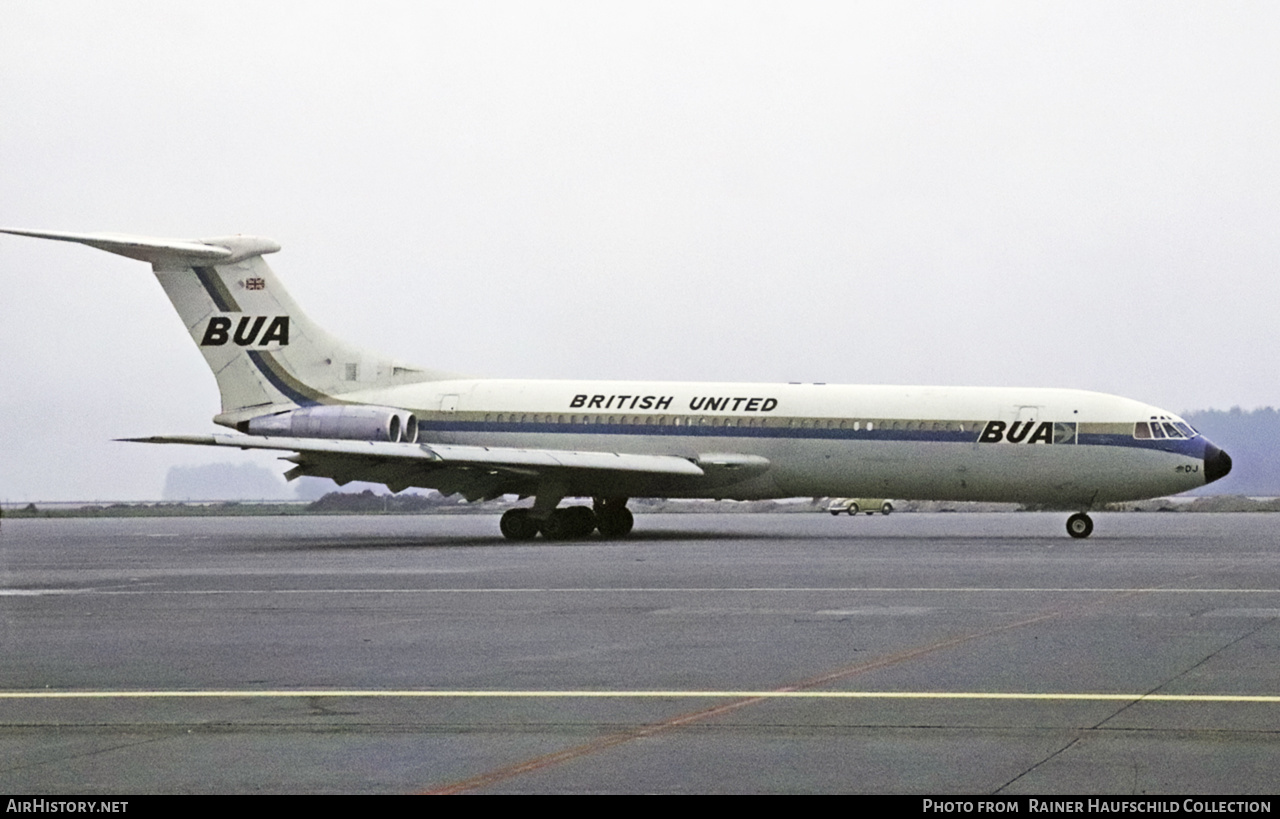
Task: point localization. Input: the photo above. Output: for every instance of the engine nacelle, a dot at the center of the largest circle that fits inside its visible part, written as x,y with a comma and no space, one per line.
356,423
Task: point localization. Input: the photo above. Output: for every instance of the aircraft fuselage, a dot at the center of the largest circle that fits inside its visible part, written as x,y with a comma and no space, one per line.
1048,446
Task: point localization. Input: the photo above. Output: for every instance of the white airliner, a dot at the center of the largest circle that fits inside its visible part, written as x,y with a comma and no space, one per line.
347,414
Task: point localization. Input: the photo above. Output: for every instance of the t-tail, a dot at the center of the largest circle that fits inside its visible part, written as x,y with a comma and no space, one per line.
266,355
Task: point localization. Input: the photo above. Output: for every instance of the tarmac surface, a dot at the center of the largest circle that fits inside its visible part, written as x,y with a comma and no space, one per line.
915,653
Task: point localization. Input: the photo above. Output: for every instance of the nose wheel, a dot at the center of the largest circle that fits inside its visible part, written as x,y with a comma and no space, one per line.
1080,525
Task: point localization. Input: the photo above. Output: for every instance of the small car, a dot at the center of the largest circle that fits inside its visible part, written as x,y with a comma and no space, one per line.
855,505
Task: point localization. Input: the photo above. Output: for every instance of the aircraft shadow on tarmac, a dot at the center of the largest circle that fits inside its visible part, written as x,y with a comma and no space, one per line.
373,543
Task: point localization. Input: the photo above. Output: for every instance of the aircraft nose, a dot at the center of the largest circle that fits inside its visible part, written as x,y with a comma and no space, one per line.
1216,463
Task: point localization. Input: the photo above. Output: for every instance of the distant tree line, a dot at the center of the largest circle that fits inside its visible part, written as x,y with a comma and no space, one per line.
369,501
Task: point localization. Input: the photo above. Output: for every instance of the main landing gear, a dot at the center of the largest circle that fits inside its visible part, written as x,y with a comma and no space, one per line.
1080,525
608,515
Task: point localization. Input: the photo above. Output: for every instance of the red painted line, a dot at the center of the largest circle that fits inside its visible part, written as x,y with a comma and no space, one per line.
612,740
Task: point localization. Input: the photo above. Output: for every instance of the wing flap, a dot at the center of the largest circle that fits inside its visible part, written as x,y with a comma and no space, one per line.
374,456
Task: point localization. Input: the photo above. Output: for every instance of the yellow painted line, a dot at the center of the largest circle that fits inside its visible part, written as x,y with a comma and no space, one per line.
588,694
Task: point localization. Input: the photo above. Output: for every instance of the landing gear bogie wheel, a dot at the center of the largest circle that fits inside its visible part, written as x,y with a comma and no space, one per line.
516,524
584,520
1079,525
615,521
569,524
556,526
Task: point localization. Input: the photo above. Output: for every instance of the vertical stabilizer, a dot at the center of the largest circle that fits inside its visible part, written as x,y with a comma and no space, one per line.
265,353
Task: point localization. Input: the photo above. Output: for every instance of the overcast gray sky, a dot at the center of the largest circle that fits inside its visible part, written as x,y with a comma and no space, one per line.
1038,194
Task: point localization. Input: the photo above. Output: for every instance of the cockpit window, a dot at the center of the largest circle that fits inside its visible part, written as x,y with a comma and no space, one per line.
1162,427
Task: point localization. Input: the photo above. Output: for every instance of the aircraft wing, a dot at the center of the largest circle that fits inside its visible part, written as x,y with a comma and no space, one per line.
476,472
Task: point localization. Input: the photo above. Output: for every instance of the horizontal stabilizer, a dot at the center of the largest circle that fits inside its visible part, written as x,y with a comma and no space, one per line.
158,251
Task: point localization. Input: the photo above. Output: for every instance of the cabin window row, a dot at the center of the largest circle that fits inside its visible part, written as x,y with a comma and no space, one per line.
731,421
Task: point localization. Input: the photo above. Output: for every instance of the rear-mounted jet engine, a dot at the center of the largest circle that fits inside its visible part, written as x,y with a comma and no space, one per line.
354,423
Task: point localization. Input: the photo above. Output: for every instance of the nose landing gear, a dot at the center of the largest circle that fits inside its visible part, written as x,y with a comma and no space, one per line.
1079,525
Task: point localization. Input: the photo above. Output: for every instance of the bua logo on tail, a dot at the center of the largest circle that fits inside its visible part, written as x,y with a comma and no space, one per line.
218,331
